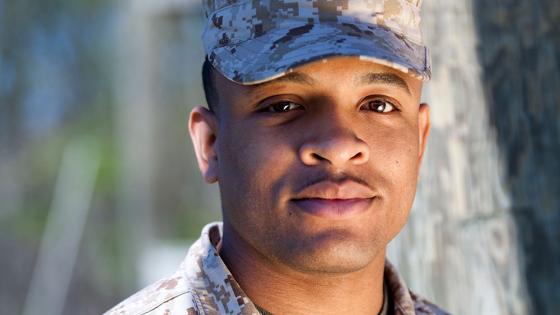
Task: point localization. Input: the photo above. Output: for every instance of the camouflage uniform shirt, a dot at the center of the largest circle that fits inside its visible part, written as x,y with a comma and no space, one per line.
204,285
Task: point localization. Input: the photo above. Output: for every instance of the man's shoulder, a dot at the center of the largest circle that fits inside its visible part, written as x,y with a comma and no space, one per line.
162,297
201,285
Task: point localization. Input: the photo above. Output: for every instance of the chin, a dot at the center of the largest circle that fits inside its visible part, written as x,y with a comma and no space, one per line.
335,252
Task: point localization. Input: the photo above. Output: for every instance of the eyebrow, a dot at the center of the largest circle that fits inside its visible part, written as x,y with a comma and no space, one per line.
295,77
366,79
383,78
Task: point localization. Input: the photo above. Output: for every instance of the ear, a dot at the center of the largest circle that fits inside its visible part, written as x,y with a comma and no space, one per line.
423,129
203,128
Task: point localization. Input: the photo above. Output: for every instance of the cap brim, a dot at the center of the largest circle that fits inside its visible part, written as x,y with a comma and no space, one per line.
273,54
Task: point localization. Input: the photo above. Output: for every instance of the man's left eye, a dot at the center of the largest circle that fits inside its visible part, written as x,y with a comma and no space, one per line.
379,105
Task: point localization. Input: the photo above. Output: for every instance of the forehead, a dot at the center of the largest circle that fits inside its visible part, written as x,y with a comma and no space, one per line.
339,72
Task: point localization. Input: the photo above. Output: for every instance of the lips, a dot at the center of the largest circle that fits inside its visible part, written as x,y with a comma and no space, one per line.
333,208
332,200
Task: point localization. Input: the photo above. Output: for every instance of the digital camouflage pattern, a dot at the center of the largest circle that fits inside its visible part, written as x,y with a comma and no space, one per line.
250,41
204,285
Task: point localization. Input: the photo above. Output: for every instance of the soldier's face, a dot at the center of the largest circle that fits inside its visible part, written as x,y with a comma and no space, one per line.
316,170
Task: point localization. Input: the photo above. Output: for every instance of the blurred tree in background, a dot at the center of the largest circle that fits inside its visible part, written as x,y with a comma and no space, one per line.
65,73
55,84
520,58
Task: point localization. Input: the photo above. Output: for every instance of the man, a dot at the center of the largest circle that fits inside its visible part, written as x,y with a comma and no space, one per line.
315,134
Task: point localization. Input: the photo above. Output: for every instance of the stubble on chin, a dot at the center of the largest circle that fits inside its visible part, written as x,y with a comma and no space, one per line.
335,251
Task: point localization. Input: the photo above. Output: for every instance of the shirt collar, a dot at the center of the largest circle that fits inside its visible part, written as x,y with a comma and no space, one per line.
212,279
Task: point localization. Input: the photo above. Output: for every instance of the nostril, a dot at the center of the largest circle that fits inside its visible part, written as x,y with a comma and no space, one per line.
317,157
360,157
335,151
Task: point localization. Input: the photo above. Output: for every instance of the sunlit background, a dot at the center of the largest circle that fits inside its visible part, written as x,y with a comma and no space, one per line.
100,194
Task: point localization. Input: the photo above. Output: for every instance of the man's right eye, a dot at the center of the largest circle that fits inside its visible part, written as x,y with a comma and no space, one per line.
282,107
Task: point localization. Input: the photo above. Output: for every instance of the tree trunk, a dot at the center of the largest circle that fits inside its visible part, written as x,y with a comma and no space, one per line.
490,181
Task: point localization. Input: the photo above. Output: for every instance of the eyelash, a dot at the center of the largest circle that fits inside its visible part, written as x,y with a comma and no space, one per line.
381,101
270,108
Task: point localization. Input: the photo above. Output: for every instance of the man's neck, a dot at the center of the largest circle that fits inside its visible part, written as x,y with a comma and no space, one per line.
280,289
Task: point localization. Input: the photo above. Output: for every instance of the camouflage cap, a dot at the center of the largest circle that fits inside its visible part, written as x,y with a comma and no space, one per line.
250,41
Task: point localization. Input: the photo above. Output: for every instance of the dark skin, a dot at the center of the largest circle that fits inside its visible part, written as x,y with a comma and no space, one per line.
317,173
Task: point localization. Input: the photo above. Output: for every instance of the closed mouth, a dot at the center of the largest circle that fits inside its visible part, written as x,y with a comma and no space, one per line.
333,208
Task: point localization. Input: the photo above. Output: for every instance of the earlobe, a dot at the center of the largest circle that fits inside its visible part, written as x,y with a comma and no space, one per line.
423,129
203,128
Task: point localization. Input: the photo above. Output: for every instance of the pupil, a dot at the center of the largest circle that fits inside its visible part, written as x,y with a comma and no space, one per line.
379,105
282,107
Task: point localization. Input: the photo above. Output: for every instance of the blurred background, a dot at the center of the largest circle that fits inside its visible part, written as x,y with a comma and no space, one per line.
100,194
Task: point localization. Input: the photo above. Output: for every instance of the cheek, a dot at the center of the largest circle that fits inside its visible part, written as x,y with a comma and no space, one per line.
250,164
394,151
395,156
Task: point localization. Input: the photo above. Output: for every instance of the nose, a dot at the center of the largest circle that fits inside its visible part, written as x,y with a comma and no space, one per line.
339,150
